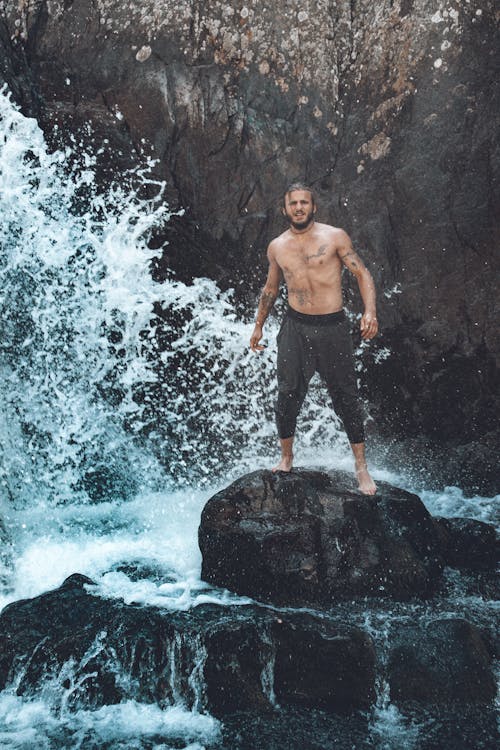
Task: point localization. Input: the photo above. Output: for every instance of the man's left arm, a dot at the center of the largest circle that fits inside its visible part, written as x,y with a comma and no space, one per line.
352,261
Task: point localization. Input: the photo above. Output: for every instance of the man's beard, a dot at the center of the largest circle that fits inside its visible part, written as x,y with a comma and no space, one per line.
304,223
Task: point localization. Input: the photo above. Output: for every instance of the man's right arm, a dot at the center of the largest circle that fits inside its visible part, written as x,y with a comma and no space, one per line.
267,299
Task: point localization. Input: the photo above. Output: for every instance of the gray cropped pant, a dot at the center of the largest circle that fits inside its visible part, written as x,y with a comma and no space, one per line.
317,343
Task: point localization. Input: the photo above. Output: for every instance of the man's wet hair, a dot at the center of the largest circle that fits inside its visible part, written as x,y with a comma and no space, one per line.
300,186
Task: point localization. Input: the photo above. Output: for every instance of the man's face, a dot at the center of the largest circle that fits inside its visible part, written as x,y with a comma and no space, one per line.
299,208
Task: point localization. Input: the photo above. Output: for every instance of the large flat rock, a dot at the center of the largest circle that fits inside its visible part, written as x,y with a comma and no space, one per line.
310,537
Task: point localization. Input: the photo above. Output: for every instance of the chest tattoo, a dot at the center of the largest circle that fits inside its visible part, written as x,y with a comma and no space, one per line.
319,252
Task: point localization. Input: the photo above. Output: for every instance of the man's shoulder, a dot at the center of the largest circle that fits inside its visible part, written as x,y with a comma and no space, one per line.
330,229
279,241
281,238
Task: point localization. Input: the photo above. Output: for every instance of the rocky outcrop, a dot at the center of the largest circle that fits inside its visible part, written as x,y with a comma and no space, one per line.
388,108
309,537
95,652
311,662
80,651
15,73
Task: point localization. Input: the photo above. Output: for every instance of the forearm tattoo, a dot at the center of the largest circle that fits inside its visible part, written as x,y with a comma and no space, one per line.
267,300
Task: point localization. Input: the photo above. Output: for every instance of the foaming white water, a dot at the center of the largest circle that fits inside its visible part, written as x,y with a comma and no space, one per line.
29,724
68,277
392,730
452,502
143,550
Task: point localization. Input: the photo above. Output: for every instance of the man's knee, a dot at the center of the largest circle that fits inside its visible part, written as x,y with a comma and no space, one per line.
289,400
349,407
286,410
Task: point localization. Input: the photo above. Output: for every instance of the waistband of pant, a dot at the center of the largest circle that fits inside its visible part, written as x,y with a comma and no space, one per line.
316,320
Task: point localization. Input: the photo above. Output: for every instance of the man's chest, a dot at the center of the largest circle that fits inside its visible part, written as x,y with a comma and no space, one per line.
304,259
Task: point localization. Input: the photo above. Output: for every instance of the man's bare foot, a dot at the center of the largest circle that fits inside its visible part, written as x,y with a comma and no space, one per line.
366,484
285,464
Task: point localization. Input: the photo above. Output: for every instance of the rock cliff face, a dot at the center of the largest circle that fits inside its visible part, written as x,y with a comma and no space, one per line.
388,108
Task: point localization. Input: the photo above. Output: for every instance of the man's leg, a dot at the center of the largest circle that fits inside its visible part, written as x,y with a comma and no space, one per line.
337,370
286,461
348,407
294,371
366,484
287,409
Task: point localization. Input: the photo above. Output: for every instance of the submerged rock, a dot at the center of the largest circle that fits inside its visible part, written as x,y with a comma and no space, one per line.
444,661
310,537
468,543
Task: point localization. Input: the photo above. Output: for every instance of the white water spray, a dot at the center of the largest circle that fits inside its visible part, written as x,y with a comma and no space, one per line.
103,397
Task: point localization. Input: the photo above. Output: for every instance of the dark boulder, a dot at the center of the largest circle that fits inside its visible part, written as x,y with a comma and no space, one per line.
310,537
442,662
235,683
96,652
468,543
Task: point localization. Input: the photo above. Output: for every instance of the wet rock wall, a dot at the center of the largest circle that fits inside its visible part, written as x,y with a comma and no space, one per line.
389,109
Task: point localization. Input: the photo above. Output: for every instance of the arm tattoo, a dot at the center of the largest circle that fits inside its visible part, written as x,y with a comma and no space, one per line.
352,256
267,300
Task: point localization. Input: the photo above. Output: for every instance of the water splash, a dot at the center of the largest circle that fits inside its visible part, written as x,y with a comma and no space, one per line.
69,278
113,382
128,726
390,728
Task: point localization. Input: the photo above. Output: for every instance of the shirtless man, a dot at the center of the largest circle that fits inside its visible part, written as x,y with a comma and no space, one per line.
314,334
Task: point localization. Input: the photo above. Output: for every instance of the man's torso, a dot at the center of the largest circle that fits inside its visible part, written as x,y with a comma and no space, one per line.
311,268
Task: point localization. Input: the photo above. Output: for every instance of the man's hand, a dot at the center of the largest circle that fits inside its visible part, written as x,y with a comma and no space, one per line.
369,326
255,338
